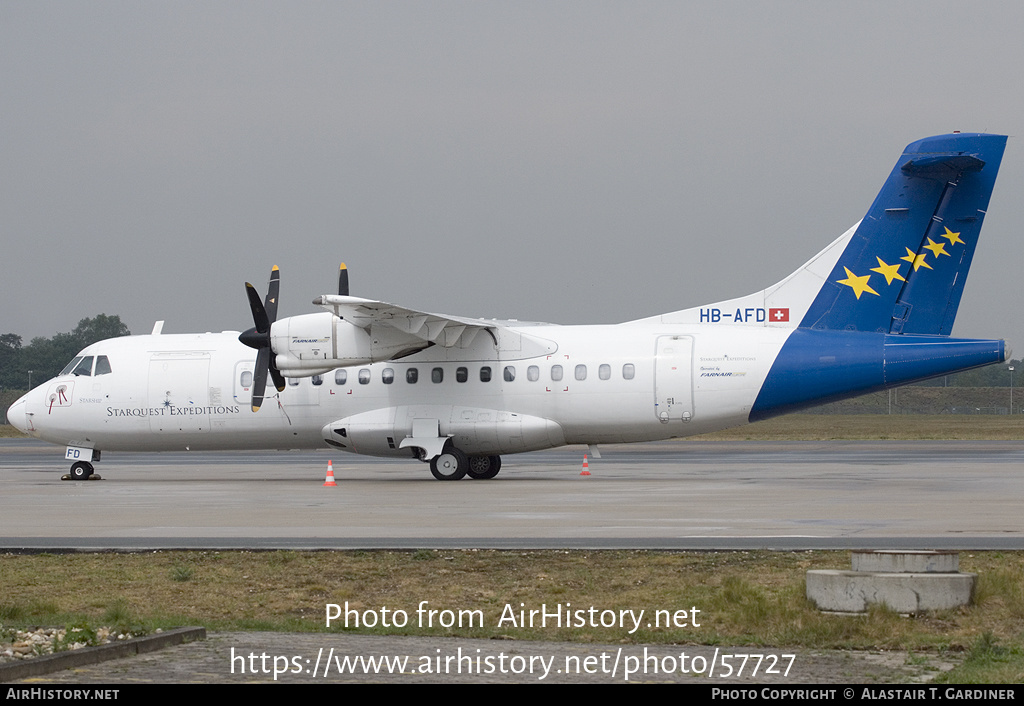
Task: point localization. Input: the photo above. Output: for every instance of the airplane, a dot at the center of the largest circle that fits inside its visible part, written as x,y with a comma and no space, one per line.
871,311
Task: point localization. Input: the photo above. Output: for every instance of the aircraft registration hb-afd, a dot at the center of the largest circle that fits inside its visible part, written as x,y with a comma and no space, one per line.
872,310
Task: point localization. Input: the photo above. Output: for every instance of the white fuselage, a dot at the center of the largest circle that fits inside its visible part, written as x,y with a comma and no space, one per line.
638,381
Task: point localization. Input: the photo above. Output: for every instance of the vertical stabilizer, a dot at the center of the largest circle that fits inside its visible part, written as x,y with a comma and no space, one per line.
883,313
901,269
904,269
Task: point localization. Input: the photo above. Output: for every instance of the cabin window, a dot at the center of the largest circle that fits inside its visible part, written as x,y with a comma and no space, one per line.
533,373
246,380
485,374
437,375
83,368
461,374
510,373
340,376
317,379
387,376
628,371
294,382
364,376
556,372
102,365
412,375
581,372
604,371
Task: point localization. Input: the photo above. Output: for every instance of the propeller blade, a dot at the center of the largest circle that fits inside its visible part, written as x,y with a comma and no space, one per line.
276,376
272,291
343,280
259,314
259,383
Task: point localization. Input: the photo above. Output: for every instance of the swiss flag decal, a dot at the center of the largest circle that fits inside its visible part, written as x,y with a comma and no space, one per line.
778,314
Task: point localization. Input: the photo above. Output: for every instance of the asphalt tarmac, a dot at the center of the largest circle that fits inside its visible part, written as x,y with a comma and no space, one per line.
672,495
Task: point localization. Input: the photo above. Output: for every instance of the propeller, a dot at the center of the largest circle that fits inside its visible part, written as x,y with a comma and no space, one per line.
264,314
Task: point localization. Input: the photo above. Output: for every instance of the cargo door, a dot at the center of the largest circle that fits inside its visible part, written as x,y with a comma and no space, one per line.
179,392
673,379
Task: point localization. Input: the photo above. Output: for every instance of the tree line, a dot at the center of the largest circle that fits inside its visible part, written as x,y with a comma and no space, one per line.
46,357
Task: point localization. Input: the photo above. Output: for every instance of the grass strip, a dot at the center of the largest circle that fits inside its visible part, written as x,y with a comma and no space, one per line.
744,598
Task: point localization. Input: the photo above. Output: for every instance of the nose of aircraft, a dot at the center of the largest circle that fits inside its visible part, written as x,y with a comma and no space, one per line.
16,414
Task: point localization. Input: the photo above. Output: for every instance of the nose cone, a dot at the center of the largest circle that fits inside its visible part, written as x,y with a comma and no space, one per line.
16,414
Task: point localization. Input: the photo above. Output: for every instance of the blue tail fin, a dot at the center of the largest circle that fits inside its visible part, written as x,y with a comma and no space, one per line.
883,315
904,269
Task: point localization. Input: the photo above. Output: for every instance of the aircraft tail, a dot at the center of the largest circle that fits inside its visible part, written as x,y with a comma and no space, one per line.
901,269
900,273
875,308
904,267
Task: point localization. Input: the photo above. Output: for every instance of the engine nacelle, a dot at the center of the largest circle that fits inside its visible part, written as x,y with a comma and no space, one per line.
313,344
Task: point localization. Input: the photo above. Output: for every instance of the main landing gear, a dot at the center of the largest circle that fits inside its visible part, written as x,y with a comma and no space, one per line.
484,467
454,464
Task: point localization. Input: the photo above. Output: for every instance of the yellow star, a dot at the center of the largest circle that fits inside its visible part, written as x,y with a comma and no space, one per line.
916,260
890,272
952,237
936,248
859,285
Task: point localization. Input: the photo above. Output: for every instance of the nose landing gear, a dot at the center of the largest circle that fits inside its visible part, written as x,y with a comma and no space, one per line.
83,457
81,470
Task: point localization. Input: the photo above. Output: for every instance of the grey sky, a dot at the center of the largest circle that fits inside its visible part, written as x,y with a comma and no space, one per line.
560,161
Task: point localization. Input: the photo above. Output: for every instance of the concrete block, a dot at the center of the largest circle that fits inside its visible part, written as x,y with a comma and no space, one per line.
901,561
855,591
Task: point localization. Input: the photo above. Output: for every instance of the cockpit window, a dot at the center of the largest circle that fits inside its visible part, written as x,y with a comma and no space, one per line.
83,368
102,365
71,366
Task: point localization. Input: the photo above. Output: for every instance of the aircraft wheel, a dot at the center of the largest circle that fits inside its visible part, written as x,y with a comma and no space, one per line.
81,471
451,464
484,467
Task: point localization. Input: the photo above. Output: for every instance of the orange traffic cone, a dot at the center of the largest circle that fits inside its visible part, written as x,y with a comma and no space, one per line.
330,475
586,467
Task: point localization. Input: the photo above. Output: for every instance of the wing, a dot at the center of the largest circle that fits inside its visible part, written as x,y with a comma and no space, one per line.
418,329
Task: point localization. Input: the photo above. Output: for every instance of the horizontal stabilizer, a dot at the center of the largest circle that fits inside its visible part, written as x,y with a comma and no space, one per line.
943,166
